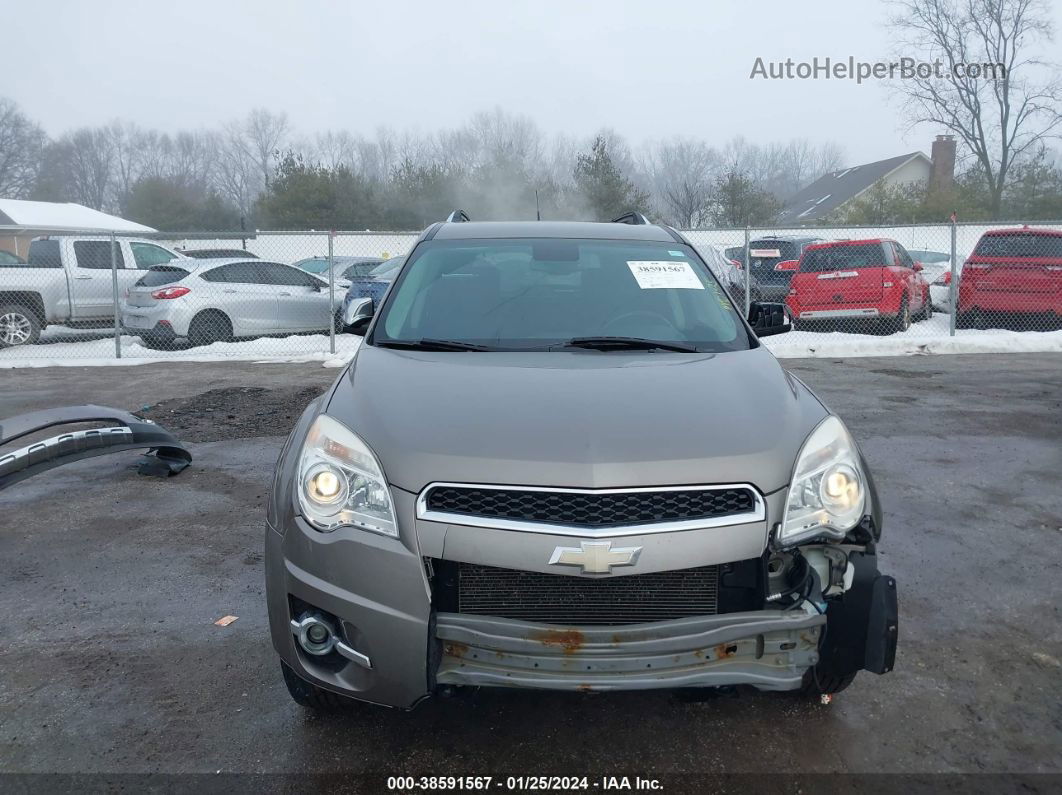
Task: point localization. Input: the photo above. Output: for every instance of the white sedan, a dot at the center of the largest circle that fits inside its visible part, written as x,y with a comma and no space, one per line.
936,269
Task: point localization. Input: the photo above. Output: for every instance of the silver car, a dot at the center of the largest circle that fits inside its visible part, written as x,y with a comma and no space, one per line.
207,301
346,269
562,459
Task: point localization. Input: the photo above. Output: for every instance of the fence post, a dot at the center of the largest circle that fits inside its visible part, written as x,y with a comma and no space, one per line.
114,299
953,284
748,299
331,293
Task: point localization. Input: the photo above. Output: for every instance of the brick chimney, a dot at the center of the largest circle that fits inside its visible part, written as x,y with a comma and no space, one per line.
942,173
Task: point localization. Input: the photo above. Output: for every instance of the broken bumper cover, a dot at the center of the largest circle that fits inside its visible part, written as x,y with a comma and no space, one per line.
769,649
127,432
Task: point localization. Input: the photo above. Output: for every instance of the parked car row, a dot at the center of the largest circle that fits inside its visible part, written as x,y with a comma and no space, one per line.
1012,273
859,283
1013,277
219,300
166,296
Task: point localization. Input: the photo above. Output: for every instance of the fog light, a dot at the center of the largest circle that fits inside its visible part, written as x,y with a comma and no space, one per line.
315,635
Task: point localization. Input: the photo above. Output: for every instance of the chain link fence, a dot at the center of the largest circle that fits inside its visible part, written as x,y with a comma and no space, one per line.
84,298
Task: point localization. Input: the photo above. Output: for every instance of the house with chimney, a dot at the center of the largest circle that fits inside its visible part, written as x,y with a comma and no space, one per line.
828,198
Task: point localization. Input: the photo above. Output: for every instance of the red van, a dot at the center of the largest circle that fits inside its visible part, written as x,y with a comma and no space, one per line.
1017,272
859,279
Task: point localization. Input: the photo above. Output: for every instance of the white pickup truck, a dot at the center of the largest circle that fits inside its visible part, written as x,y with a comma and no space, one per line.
67,280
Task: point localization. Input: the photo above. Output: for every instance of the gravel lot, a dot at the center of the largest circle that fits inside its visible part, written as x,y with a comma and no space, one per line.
111,662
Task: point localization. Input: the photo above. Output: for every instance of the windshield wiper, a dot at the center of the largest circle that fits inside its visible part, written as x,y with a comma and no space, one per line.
432,345
628,344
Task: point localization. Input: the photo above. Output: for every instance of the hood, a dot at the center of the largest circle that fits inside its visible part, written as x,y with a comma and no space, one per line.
581,419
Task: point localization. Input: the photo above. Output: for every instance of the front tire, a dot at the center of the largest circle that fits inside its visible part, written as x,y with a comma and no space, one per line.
310,695
817,683
18,326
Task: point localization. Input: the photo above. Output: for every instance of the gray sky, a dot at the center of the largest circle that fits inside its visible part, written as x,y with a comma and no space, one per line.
647,69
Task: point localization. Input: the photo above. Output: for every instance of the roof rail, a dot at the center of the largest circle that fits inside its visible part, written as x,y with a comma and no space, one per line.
458,217
636,219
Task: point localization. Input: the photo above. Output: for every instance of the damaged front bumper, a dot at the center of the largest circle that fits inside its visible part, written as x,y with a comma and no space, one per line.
125,432
769,649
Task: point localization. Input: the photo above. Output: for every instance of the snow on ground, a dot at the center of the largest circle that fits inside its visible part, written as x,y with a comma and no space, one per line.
99,351
78,348
928,336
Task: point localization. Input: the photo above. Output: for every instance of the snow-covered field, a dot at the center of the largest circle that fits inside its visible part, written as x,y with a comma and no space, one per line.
70,348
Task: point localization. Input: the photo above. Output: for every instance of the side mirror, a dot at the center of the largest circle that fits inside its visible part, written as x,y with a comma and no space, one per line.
357,315
918,267
768,319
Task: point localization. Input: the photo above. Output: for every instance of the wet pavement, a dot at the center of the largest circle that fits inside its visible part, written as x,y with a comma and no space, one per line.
110,660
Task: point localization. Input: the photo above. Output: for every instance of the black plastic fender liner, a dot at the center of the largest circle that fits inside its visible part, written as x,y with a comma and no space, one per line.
862,625
166,455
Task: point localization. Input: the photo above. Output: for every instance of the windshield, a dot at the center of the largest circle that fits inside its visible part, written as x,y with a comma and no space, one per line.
386,269
769,252
534,294
161,274
842,256
313,265
928,257
1021,244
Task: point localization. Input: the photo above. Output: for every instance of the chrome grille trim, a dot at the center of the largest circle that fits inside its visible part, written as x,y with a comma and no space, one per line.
757,514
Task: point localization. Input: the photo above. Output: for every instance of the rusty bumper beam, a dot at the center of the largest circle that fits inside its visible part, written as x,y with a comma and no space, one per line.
769,649
166,455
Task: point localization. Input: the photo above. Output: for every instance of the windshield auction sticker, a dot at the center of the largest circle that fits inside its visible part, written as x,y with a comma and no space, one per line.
664,275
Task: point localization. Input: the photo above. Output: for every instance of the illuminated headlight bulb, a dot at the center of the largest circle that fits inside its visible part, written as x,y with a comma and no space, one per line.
326,485
840,487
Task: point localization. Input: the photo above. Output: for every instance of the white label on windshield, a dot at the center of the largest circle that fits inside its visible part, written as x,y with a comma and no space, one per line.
653,275
764,252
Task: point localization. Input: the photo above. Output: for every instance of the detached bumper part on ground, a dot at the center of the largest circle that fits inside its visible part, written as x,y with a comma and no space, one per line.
166,455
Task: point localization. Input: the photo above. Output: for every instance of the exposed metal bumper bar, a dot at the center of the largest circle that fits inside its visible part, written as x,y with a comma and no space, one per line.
127,433
769,649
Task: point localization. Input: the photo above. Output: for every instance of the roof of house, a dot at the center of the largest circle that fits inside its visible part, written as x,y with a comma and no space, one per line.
60,217
831,190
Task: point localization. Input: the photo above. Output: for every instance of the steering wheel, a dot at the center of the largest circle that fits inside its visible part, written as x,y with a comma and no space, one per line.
653,318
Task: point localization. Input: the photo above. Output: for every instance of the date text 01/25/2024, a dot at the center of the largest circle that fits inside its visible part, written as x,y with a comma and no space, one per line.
521,783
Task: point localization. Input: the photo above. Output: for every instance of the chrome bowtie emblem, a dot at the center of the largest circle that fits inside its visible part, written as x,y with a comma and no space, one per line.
595,557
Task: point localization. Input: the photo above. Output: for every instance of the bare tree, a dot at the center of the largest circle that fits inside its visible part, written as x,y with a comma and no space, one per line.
682,174
799,163
86,160
236,176
506,137
335,149
21,145
192,157
249,151
993,92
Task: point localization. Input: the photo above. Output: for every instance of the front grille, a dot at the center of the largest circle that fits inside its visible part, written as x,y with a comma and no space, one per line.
560,599
589,508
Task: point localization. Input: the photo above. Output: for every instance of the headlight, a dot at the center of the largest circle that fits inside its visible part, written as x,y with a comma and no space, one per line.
828,492
341,482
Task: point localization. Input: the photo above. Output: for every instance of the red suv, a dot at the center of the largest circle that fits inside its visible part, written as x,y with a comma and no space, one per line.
1012,272
859,279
